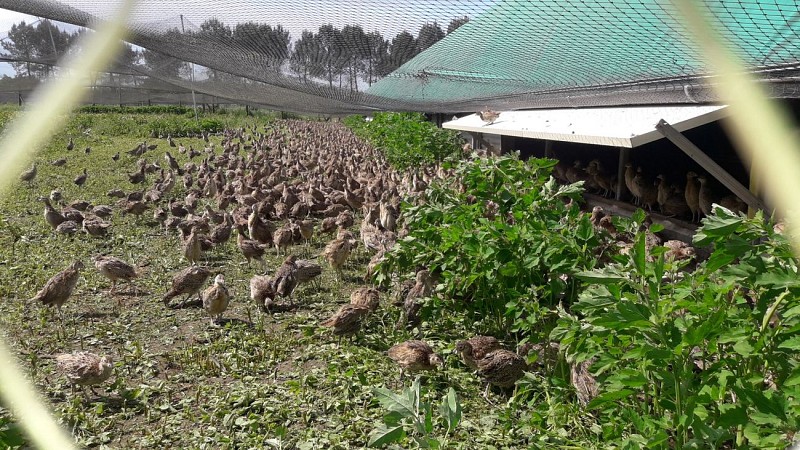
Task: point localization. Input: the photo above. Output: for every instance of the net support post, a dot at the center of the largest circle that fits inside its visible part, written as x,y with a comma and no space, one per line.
708,164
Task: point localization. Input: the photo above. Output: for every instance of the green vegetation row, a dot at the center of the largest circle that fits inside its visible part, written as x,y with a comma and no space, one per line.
117,109
408,140
686,354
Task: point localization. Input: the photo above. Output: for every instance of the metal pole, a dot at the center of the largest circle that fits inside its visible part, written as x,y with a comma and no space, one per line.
707,163
194,100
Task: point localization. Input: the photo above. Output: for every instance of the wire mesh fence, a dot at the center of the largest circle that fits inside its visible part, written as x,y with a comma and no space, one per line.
338,56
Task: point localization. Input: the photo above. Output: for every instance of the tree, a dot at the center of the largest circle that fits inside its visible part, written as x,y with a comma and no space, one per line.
332,55
403,48
124,62
217,31
162,65
28,44
303,55
429,34
456,23
376,65
20,45
356,52
272,43
51,43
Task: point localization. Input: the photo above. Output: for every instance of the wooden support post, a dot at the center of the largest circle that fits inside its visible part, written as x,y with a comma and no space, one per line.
708,164
548,149
624,156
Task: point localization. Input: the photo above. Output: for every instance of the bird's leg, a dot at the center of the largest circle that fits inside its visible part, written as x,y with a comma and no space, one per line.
486,394
113,286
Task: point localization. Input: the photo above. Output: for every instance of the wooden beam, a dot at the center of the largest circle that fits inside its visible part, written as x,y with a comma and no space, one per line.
624,156
708,164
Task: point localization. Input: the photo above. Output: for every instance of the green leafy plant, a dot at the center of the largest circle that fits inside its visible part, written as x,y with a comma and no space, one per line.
410,415
160,109
503,240
407,139
694,358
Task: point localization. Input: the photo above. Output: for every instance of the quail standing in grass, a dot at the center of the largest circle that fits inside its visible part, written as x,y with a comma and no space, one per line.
422,288
501,368
307,271
191,247
282,238
414,356
70,144
336,253
59,288
216,299
366,297
476,348
51,216
28,175
84,368
114,269
584,383
187,282
347,320
250,249
94,226
80,180
285,279
261,291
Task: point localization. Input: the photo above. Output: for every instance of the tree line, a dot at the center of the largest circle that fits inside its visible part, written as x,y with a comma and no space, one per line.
340,57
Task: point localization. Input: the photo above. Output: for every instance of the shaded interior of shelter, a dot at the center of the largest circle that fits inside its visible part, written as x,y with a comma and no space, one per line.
657,157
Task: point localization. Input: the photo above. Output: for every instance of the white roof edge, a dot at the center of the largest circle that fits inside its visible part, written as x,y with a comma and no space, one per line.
615,127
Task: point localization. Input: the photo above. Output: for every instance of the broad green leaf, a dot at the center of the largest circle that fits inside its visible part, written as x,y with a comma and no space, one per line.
778,279
793,379
716,227
600,277
608,397
450,409
743,348
385,435
732,415
719,259
793,343
766,405
393,402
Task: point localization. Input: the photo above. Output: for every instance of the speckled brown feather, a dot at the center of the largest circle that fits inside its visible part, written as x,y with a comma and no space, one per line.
347,320
367,297
414,356
187,282
501,368
84,368
59,288
476,348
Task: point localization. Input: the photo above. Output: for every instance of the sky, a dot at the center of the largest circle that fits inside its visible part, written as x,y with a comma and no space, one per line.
388,17
7,19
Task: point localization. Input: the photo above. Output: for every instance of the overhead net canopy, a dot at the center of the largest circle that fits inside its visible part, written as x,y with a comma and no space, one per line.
345,56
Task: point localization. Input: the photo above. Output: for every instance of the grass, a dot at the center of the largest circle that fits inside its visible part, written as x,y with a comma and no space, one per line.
261,380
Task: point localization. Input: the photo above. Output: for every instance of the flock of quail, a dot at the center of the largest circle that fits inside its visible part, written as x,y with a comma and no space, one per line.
690,199
277,187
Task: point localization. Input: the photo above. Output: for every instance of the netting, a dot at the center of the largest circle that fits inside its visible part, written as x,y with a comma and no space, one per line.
336,57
